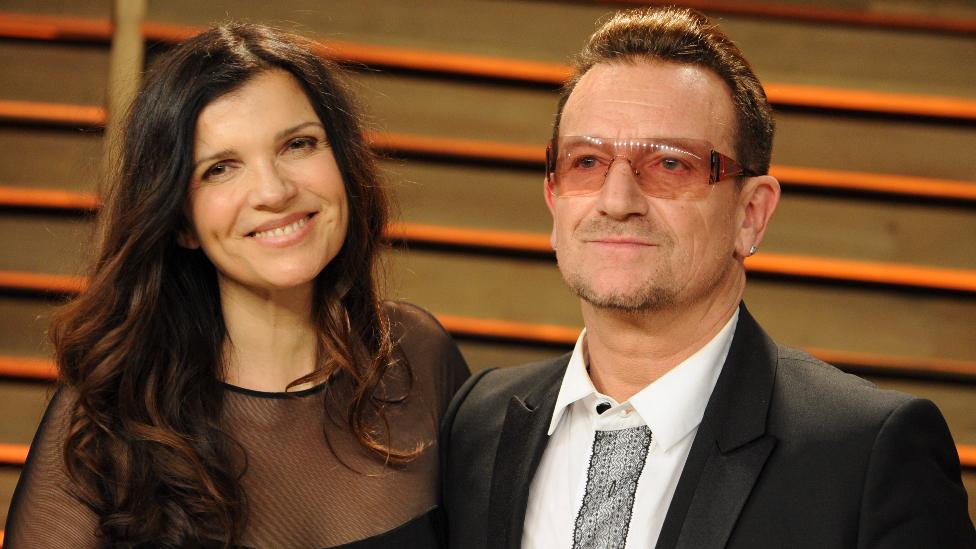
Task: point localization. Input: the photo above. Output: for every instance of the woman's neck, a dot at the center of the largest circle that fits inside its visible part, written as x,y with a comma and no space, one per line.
270,337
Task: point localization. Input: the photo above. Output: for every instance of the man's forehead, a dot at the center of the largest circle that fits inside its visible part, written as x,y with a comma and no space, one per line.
649,98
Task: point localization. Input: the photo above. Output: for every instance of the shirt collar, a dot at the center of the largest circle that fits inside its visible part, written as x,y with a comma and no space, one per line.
576,382
674,404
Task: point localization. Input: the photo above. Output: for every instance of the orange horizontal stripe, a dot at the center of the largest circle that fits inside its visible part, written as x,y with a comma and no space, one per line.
870,101
945,189
39,282
52,113
863,271
47,27
475,238
13,454
24,197
554,74
940,366
459,148
23,367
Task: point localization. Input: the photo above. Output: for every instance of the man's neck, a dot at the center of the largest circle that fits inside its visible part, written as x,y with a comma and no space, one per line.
628,351
270,338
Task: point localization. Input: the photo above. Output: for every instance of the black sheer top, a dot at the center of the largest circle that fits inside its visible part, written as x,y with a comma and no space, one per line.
308,482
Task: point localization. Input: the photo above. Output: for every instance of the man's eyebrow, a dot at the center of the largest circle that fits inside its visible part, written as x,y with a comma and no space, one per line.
280,135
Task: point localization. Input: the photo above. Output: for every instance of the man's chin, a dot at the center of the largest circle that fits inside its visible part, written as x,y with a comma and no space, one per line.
636,301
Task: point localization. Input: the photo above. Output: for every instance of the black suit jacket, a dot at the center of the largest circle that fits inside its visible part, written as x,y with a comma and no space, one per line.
791,453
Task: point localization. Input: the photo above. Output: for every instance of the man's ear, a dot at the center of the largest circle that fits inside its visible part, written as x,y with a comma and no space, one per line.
550,203
757,202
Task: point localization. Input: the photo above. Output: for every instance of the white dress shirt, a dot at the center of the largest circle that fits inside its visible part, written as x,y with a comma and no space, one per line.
672,407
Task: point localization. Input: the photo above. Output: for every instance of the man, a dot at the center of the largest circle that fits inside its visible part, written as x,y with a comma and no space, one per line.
676,422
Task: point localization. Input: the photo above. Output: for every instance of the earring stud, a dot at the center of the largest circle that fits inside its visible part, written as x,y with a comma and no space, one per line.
752,250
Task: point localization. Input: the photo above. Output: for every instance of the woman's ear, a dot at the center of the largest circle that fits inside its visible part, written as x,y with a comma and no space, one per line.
757,202
187,238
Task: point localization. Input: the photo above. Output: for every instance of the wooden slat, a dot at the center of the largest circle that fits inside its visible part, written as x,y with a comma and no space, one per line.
13,454
58,114
54,28
461,149
940,367
519,71
506,241
862,182
22,367
23,197
819,97
809,12
41,283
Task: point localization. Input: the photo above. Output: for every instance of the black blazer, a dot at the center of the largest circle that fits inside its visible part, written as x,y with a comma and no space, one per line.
791,452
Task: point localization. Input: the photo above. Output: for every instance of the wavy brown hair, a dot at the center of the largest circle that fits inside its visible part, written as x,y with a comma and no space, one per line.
141,349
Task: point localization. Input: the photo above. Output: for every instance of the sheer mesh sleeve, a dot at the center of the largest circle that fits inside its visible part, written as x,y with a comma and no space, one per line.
44,512
431,352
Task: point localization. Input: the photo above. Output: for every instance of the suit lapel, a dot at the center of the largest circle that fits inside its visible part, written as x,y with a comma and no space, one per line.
520,447
731,446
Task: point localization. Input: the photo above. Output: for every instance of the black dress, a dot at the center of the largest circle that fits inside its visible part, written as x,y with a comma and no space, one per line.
308,482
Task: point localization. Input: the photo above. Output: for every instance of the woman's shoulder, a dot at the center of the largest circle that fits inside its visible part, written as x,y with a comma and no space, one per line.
407,316
428,348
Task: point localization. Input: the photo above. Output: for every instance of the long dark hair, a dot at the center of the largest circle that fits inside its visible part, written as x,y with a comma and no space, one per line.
141,348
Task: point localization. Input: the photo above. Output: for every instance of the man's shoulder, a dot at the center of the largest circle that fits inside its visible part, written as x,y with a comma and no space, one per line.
820,394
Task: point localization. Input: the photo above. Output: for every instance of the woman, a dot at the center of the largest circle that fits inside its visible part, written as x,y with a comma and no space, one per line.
230,376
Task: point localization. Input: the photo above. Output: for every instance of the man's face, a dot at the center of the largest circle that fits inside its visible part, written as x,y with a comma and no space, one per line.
619,248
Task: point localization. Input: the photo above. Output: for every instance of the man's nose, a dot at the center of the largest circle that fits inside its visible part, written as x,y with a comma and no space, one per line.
621,197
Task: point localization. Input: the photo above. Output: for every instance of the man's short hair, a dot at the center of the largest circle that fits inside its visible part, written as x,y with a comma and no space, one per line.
685,36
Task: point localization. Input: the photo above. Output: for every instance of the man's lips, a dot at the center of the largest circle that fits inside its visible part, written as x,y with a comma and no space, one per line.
620,241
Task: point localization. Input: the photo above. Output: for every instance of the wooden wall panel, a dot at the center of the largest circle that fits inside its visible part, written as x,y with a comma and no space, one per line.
22,405
865,320
51,72
444,193
882,146
528,290
44,243
481,354
859,58
900,232
23,324
50,158
522,29
469,110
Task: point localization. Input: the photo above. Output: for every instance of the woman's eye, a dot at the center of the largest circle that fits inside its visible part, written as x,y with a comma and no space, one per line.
302,143
217,170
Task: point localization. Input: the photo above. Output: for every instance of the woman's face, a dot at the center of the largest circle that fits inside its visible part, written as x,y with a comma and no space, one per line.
266,203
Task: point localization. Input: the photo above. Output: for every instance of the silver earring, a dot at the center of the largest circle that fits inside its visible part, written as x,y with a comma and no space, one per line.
752,250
